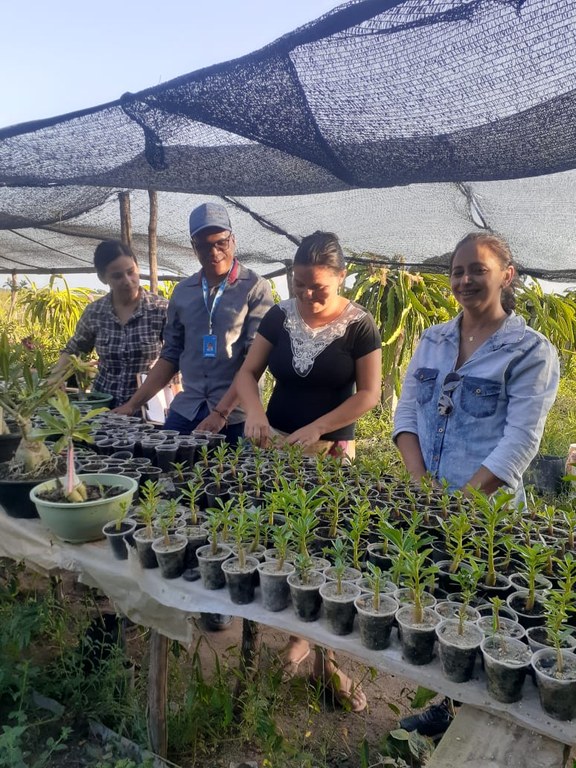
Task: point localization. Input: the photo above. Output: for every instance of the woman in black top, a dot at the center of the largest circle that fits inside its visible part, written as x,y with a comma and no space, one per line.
324,352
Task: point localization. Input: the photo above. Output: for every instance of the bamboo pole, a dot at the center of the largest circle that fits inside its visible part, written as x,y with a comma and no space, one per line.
153,240
125,218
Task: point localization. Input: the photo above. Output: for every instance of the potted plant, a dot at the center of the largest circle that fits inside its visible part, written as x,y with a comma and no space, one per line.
338,596
499,622
150,496
23,390
457,530
239,570
492,521
274,573
417,623
506,659
305,583
212,555
555,667
375,611
527,604
459,639
118,530
75,508
170,547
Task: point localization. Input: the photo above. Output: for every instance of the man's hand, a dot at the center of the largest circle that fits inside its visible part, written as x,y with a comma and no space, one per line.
212,423
124,410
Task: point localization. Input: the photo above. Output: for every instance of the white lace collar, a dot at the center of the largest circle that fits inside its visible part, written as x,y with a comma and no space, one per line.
307,343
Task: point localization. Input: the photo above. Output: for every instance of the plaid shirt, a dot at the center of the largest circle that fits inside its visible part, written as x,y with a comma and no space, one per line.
123,350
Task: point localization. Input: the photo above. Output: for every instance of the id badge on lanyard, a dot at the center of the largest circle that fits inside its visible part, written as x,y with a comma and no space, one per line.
209,340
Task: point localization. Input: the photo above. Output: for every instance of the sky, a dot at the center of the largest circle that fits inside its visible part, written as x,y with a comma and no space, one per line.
60,56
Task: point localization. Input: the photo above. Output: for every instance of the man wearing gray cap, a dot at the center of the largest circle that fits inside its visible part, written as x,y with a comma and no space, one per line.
212,319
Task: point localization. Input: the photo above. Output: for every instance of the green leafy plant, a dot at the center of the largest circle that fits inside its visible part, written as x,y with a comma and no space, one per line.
71,424
338,552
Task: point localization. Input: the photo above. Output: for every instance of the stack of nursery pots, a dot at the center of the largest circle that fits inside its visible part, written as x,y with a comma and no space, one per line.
484,588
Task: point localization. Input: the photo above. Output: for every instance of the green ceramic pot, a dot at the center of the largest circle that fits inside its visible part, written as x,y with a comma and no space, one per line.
83,522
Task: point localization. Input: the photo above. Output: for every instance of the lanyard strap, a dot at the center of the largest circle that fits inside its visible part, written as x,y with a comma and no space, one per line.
217,297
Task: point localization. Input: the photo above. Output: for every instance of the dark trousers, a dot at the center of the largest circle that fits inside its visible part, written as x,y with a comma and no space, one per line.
233,432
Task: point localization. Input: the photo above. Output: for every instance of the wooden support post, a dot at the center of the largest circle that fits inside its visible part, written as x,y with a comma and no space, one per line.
125,218
153,240
481,740
248,647
158,693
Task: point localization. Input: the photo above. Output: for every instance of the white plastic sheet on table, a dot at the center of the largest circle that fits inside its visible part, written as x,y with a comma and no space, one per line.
168,606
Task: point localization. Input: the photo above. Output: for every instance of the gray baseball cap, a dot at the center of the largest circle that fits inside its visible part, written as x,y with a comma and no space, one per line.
209,215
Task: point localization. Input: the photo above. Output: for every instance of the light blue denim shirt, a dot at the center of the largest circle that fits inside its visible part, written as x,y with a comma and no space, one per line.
491,411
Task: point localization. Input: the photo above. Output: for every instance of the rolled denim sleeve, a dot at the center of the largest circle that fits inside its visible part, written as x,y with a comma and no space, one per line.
406,413
532,385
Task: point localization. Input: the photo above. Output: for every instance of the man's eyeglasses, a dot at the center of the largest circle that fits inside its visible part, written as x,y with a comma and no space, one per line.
204,247
445,402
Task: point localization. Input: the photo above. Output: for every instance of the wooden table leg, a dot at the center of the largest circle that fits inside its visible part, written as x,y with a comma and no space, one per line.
158,693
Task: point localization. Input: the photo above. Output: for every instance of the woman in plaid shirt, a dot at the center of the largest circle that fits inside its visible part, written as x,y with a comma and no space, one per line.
125,327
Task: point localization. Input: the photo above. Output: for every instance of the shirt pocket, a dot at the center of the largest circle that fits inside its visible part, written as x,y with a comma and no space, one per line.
480,396
425,383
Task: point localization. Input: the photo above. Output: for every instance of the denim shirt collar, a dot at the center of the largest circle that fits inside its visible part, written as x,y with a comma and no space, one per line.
512,330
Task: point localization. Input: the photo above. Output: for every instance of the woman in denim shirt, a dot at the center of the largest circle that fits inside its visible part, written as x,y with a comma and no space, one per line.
479,387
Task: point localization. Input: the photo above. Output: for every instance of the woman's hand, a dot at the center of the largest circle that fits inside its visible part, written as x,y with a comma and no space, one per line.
305,436
257,428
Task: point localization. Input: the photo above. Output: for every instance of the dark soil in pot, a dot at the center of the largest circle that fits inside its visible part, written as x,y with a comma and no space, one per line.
197,537
506,662
417,638
274,588
500,589
306,599
240,580
210,565
146,555
339,607
93,492
534,617
556,687
117,536
170,553
15,491
376,624
8,445
457,652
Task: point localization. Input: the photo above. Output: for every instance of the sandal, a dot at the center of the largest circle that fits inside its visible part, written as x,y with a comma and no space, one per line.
351,698
290,666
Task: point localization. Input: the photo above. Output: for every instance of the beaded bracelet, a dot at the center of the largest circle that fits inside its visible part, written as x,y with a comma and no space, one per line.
221,414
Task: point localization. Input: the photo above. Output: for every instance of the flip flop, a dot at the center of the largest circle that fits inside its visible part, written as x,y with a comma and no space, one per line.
353,700
290,666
